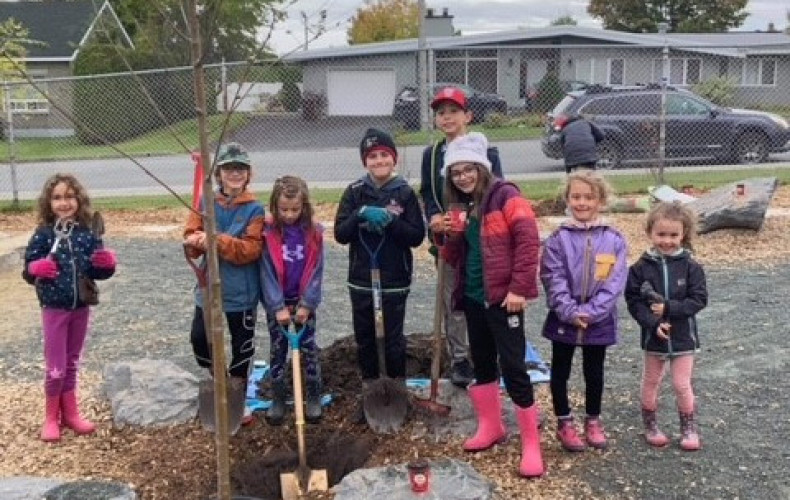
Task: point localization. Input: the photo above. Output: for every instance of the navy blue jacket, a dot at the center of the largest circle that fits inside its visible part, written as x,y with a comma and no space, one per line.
681,281
579,139
406,231
73,258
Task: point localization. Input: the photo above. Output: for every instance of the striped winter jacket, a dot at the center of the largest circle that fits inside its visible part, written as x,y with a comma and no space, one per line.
509,243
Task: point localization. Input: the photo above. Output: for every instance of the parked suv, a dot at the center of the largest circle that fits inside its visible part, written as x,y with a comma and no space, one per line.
407,104
696,129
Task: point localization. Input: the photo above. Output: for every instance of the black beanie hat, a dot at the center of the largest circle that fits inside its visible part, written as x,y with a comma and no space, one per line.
376,139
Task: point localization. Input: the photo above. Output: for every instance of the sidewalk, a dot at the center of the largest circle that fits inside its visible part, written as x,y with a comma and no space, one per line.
11,250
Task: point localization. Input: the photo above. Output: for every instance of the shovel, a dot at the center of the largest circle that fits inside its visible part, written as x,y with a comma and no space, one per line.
385,401
436,359
296,484
653,297
236,390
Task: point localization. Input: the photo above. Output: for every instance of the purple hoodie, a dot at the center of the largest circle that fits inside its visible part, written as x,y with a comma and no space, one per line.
583,269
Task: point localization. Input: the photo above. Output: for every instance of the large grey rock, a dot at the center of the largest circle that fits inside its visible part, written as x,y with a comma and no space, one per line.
150,393
450,480
724,208
91,490
26,487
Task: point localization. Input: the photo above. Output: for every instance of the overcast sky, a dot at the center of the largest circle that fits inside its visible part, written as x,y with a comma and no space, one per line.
476,16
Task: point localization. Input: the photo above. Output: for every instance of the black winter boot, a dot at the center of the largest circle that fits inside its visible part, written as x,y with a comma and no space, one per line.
276,413
313,410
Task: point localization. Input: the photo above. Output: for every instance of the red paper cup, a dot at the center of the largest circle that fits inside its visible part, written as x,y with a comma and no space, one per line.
419,475
740,189
457,213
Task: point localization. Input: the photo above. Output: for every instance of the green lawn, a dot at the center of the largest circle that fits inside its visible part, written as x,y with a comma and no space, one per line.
537,189
159,142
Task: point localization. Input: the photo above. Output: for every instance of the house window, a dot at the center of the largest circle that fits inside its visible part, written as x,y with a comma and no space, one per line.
616,71
682,71
25,98
759,72
476,68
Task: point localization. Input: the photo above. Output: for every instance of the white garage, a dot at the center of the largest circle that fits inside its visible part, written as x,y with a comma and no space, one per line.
360,92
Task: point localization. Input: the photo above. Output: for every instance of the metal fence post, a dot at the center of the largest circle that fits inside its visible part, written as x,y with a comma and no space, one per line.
662,122
11,145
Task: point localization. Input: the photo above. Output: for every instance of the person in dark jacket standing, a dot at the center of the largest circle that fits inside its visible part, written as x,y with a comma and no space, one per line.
665,290
579,139
452,116
495,257
583,269
379,217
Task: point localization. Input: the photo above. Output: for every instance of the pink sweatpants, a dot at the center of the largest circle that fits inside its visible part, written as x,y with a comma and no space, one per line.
681,368
64,337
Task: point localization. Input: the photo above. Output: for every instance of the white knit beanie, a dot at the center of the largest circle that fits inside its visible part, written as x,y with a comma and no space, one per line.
472,147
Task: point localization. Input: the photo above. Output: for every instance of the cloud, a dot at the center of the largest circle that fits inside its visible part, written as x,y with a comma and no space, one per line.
475,16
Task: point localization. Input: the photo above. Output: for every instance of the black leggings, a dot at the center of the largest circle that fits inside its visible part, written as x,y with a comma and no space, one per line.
394,310
495,334
242,330
593,357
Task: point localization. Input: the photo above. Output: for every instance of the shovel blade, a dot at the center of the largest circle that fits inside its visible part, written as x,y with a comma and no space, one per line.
386,403
292,487
237,395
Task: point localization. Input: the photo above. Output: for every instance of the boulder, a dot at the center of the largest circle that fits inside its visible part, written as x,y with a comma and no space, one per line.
450,480
91,490
26,487
731,207
150,392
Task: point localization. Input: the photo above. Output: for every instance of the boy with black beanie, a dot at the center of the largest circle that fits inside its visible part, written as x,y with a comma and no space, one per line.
379,218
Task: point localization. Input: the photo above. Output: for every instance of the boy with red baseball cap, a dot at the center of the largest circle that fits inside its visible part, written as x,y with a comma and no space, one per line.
452,117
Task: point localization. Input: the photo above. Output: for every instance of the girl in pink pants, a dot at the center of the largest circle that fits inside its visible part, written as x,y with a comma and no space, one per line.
665,290
62,251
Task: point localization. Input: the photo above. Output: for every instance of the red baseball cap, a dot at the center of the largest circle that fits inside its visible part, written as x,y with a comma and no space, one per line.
452,94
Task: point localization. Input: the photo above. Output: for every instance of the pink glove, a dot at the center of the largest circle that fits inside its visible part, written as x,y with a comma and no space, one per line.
103,259
43,268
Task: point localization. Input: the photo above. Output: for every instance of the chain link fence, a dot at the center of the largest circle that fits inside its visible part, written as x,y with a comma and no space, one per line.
658,105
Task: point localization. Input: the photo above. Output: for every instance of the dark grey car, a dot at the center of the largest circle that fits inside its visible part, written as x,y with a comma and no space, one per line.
406,109
696,129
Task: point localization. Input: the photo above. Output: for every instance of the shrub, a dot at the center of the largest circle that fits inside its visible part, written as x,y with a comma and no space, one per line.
496,120
719,90
290,97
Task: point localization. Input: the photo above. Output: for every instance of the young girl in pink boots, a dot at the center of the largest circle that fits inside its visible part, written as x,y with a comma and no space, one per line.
583,269
495,256
61,251
665,290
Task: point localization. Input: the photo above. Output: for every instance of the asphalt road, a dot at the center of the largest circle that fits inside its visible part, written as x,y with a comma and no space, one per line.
324,152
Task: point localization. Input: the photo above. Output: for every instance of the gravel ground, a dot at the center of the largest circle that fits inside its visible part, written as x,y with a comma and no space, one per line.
743,397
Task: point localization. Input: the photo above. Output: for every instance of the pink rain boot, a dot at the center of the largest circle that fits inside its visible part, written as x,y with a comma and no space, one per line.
71,414
488,408
566,433
50,431
531,458
653,434
689,435
594,434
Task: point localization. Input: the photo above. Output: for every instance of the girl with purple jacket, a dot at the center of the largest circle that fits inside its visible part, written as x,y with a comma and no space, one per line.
583,269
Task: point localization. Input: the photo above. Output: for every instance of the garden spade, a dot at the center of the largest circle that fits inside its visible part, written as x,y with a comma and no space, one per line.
436,358
385,401
296,484
652,296
236,389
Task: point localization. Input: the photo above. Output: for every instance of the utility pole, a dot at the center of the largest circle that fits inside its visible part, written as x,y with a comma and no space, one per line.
422,68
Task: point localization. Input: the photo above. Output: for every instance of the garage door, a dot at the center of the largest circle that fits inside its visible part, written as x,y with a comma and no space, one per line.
360,93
